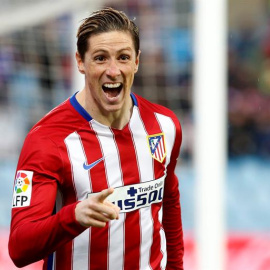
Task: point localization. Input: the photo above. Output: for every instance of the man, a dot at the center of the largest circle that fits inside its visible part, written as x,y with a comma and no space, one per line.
95,186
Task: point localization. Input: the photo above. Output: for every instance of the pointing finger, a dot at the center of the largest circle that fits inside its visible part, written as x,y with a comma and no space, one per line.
104,194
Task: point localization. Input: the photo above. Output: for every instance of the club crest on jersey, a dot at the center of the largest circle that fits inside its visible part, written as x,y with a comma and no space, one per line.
157,146
22,189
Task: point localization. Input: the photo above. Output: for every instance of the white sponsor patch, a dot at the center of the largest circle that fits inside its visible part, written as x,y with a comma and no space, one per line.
22,189
132,197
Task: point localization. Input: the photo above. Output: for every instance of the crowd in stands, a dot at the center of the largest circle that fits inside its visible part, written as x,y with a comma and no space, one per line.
249,91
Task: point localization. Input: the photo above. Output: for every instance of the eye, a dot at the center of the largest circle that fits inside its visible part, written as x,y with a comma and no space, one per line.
100,58
124,57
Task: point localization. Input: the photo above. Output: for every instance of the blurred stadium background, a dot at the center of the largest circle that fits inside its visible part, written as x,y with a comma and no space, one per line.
37,73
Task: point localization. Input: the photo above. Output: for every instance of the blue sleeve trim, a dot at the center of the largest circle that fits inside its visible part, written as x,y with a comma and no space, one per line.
50,262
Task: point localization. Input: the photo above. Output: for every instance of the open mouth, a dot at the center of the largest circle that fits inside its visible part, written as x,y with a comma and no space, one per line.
112,90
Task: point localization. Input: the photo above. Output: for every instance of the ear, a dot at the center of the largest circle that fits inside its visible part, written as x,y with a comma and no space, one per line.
137,61
80,63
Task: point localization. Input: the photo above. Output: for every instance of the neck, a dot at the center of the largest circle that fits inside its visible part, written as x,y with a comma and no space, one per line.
114,119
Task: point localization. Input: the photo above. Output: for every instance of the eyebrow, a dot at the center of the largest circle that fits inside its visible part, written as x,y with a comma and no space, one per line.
105,51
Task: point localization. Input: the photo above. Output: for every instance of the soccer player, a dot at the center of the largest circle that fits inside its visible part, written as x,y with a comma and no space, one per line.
95,186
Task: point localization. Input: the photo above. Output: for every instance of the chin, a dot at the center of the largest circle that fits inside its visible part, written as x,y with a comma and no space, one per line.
114,109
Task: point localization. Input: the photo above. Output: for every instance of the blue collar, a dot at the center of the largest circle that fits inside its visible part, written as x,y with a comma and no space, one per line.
79,108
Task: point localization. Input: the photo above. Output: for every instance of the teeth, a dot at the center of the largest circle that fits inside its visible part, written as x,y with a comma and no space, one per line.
112,85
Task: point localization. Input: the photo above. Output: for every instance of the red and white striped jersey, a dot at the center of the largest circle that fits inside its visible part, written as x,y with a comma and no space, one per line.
68,156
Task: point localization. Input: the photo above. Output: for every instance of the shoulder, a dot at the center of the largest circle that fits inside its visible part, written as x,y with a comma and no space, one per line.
157,117
147,107
41,149
46,140
57,124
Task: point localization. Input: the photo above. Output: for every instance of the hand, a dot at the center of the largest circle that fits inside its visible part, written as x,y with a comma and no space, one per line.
96,211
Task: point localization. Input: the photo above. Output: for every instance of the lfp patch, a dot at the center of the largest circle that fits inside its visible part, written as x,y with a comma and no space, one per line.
157,146
22,189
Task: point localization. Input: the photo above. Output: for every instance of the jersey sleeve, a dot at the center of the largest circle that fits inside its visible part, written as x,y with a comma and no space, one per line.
172,222
35,230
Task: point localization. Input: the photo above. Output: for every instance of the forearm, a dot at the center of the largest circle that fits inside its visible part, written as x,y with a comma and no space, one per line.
35,240
172,225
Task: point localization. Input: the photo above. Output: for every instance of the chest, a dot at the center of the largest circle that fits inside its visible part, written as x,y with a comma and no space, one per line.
100,157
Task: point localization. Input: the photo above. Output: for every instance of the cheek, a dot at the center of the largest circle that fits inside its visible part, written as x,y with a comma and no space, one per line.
130,71
93,73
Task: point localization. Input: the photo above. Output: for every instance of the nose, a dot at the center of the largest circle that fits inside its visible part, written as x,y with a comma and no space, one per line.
113,69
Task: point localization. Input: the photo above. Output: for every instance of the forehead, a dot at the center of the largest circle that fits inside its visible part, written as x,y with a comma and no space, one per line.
113,40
